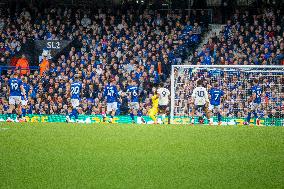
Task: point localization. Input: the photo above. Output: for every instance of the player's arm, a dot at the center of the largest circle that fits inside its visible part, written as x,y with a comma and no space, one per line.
253,96
8,90
206,98
23,91
193,96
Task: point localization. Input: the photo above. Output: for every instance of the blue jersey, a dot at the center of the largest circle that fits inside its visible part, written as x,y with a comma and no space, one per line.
216,95
134,91
15,87
111,93
257,91
26,89
76,88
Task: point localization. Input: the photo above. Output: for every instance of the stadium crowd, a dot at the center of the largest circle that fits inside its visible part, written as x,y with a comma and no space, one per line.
123,47
246,40
140,47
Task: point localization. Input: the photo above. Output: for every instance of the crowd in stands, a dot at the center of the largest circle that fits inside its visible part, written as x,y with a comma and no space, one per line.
246,40
124,47
140,47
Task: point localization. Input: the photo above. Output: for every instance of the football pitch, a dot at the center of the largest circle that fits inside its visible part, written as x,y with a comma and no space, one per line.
59,155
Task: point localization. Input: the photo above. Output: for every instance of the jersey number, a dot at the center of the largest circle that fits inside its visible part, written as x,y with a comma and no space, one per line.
258,94
164,93
200,93
110,92
14,86
216,96
75,90
134,93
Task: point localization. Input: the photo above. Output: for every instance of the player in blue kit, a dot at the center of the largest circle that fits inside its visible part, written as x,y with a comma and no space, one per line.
15,92
111,96
216,95
133,92
255,99
25,95
75,92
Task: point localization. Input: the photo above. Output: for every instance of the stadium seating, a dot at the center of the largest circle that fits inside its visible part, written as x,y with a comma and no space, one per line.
125,48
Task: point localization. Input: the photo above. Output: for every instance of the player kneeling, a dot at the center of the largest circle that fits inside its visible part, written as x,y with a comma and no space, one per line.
201,101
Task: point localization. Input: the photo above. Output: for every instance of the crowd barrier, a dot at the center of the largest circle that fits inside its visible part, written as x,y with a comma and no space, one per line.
127,119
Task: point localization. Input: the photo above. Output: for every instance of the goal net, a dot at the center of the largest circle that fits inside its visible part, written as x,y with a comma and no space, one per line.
236,81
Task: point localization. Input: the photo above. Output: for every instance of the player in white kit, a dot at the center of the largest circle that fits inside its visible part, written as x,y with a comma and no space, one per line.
200,101
164,94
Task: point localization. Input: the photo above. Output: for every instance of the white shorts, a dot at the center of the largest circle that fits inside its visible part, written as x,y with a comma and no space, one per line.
111,106
75,103
211,107
134,105
15,100
24,102
254,106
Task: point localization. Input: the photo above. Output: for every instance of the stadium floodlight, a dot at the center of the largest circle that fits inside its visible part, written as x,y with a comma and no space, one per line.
236,81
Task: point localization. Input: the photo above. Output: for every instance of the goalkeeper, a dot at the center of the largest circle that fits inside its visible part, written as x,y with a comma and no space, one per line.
154,110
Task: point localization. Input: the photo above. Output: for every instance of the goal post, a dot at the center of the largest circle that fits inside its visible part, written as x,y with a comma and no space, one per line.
236,82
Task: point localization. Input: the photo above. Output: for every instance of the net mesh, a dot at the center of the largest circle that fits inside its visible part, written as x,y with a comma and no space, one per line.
236,82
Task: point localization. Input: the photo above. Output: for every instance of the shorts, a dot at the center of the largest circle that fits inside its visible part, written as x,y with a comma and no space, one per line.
163,107
24,102
75,103
254,106
200,107
15,100
134,105
111,106
211,107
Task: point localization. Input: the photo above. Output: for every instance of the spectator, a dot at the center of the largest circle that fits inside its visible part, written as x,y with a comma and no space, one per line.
23,65
44,65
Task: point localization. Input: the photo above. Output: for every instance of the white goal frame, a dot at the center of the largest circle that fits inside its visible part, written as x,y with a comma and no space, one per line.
278,68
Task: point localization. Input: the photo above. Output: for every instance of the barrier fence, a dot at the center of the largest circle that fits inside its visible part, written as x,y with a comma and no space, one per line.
127,119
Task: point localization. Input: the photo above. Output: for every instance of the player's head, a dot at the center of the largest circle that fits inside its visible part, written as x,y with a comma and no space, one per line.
255,81
76,77
25,80
15,75
216,85
134,83
161,85
112,81
199,82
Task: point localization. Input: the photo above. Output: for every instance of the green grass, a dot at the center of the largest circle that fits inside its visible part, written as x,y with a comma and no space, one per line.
56,155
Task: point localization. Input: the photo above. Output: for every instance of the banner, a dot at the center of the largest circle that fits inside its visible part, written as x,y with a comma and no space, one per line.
127,119
51,48
33,49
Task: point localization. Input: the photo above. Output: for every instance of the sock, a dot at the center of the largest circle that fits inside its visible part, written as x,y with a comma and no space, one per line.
192,119
219,117
24,112
153,117
132,116
249,116
255,115
75,113
163,116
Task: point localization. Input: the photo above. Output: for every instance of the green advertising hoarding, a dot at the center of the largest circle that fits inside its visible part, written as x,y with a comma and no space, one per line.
127,119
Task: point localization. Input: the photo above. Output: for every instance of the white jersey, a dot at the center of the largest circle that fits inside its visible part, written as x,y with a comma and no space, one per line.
163,96
200,96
